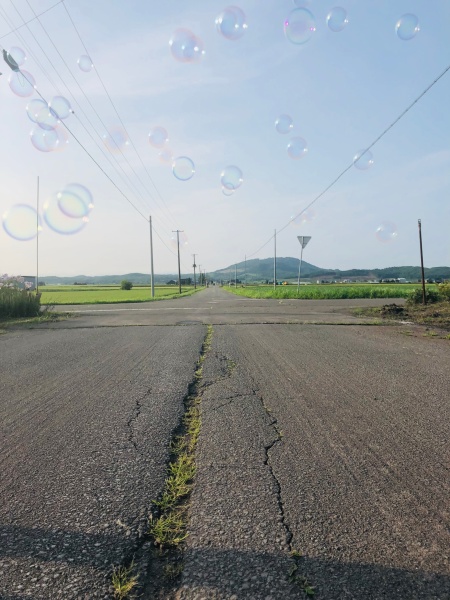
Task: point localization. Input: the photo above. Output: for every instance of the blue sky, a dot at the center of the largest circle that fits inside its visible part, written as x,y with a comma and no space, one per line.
342,89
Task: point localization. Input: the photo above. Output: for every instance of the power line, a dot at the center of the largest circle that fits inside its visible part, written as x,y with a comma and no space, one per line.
31,20
376,140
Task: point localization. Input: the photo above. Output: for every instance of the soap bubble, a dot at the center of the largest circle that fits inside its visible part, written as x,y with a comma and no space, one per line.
386,232
60,106
21,83
407,27
34,107
85,63
337,19
299,26
363,160
306,216
158,137
183,168
47,119
227,192
297,148
183,238
166,155
116,140
186,47
44,140
75,201
60,222
231,23
231,177
18,55
284,124
21,222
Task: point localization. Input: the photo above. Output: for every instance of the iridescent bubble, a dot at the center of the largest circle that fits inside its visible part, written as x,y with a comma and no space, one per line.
158,137
231,177
363,160
44,140
231,23
386,232
21,83
284,124
18,55
297,148
299,26
21,222
116,140
85,63
75,201
337,19
227,192
46,118
183,238
407,27
183,168
63,137
34,107
58,221
166,156
186,47
60,106
306,216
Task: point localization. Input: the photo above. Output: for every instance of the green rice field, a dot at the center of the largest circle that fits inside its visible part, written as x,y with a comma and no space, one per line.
85,294
327,291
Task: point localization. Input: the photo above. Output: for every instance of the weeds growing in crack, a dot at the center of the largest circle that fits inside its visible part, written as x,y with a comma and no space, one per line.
123,581
169,528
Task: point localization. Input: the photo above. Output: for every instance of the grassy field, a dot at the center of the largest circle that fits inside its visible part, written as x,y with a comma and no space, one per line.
328,291
81,294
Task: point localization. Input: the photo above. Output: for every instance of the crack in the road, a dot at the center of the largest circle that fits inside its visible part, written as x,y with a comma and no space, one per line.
132,420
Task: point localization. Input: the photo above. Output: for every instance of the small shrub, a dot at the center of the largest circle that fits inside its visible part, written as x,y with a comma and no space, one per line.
125,284
444,291
416,297
16,302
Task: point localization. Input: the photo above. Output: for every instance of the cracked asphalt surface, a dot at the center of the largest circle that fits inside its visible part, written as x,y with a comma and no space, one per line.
331,440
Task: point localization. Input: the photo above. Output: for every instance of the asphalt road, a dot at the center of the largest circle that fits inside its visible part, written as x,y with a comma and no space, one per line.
327,438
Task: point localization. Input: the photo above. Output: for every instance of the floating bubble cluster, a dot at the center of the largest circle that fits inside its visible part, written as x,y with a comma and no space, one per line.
284,124
386,232
85,63
363,160
44,140
21,83
337,19
231,178
299,26
297,148
231,23
186,47
183,168
21,222
407,27
67,211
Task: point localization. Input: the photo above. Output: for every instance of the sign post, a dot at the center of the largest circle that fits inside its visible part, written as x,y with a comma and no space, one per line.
303,239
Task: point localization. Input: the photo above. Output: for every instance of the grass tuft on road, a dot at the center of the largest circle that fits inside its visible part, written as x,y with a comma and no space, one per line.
123,581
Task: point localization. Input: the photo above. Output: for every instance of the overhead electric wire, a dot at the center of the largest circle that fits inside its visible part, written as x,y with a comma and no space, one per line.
375,141
31,20
96,112
116,111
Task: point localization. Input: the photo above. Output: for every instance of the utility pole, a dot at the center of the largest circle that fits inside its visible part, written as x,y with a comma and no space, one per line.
152,274
235,276
245,271
37,237
178,231
199,274
275,260
195,281
424,294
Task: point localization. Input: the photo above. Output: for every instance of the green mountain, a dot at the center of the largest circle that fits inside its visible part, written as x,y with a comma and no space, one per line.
261,270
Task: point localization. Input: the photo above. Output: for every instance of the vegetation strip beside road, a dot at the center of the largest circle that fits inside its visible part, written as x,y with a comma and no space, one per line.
326,291
169,514
61,295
